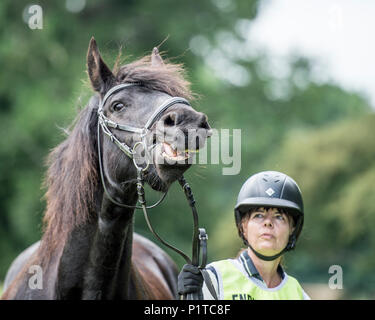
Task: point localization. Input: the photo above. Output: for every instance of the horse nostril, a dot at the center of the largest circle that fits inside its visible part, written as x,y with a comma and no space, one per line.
204,122
170,119
205,125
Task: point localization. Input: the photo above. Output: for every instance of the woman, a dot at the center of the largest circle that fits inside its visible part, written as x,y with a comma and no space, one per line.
269,218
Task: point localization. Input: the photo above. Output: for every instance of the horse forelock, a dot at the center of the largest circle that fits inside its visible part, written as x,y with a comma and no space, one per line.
168,77
71,181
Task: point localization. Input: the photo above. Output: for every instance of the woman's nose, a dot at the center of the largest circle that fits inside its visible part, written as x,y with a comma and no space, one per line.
268,222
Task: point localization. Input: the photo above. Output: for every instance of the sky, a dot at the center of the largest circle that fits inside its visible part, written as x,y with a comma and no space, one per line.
338,33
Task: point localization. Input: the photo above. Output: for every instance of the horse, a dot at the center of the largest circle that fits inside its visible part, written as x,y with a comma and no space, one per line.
88,249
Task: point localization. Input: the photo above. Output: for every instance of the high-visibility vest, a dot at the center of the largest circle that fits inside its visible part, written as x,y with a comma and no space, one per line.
235,285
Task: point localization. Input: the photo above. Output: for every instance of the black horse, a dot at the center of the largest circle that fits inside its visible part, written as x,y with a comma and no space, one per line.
88,249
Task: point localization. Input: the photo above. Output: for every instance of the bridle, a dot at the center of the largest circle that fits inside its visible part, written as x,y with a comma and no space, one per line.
104,123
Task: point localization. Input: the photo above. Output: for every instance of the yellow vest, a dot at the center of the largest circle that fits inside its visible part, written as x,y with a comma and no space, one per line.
236,286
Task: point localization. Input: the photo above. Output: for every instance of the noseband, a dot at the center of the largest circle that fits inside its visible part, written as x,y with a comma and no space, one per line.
105,123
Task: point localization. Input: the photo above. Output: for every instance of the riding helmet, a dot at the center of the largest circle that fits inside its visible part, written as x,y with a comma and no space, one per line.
271,189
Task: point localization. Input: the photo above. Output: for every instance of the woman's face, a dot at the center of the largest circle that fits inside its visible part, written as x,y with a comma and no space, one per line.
267,230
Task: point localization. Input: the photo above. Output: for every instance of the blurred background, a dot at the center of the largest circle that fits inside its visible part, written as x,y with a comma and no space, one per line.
297,77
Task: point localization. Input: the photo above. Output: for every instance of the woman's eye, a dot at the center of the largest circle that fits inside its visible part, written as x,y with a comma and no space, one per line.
118,106
279,217
258,215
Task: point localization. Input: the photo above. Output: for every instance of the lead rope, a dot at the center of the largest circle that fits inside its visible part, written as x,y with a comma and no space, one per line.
199,234
142,201
199,239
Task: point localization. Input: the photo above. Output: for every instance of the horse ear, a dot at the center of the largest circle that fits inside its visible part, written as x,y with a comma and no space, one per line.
100,75
156,59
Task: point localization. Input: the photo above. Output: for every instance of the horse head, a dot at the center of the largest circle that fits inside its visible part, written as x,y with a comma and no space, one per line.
140,112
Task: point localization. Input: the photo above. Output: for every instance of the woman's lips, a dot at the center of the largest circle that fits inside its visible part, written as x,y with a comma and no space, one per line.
267,236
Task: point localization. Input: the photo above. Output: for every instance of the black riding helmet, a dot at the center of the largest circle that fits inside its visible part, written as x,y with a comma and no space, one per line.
271,189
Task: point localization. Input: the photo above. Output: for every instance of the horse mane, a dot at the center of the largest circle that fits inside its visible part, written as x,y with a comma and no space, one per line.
72,177
71,180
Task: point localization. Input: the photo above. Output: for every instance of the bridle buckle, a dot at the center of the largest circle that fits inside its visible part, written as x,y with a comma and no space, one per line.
146,155
203,236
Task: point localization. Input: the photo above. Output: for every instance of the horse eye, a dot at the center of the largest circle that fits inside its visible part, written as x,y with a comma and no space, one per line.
118,106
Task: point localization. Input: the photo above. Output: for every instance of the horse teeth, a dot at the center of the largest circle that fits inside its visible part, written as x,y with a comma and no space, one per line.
169,150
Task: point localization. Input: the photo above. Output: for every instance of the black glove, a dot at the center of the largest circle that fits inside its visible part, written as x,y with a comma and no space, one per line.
190,280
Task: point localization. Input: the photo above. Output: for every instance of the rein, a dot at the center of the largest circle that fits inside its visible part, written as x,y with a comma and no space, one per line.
199,240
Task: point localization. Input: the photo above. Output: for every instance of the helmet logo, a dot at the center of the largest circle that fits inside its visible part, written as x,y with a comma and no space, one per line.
270,191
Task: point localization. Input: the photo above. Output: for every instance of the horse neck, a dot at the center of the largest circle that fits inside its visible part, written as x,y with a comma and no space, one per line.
100,253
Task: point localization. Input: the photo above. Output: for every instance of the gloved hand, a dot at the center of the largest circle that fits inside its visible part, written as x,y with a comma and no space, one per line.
190,280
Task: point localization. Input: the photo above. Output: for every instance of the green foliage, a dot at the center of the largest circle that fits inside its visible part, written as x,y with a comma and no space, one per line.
335,168
318,133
